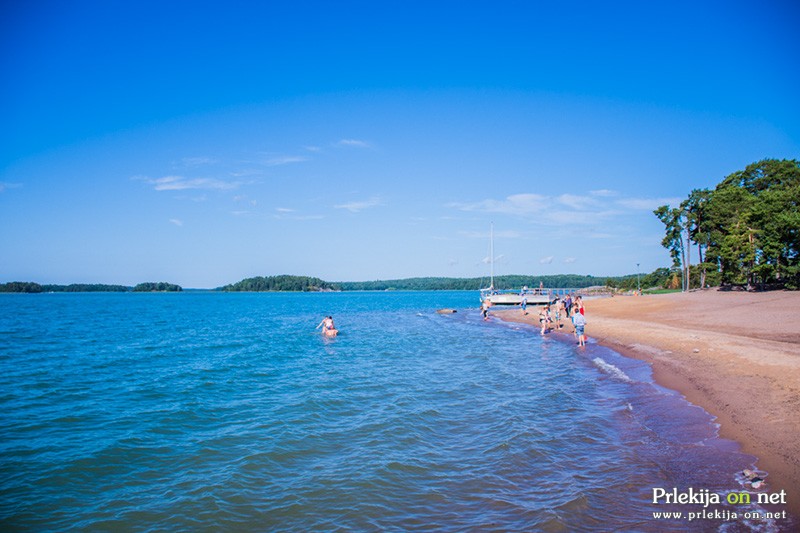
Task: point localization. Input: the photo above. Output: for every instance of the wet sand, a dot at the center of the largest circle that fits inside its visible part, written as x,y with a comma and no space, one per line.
735,354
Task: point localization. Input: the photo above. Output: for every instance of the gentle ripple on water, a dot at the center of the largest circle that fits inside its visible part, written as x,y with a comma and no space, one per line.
228,412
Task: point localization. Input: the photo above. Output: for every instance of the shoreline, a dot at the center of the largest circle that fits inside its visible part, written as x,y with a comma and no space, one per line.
730,353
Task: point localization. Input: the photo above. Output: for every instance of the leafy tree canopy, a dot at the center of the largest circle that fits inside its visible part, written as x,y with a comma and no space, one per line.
746,230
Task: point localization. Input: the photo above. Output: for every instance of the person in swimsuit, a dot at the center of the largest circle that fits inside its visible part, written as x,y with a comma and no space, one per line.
327,326
544,318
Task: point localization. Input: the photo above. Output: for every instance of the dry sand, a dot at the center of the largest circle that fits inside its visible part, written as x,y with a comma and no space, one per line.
735,354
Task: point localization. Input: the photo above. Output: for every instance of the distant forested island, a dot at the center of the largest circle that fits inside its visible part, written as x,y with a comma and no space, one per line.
31,287
157,287
279,284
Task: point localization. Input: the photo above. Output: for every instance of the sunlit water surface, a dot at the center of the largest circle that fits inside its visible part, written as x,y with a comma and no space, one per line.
212,411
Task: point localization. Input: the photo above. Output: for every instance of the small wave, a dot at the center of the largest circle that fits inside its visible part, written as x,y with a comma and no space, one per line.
611,370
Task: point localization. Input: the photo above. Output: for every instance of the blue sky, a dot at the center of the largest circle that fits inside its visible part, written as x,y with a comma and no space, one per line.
201,143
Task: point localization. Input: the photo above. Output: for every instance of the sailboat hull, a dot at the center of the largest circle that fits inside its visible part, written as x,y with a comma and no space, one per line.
515,298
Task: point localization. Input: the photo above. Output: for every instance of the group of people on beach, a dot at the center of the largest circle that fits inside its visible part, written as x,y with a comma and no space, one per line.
550,317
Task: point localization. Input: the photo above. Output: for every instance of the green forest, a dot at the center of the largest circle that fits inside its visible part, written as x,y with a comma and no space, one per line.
658,278
157,287
560,281
280,283
31,287
743,233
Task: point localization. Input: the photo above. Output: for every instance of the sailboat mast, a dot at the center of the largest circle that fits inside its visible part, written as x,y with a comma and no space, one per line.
491,254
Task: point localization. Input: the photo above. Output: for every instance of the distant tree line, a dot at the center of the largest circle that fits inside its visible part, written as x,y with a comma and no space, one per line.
560,281
31,287
85,287
661,277
280,283
21,286
745,232
157,287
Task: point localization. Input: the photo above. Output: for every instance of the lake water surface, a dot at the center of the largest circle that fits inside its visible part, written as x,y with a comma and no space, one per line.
230,412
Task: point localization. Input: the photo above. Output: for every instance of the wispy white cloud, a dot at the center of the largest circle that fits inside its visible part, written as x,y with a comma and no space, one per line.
569,260
497,259
647,204
517,204
353,143
4,185
284,160
244,199
577,202
355,207
181,183
285,213
243,173
546,260
565,208
197,161
178,222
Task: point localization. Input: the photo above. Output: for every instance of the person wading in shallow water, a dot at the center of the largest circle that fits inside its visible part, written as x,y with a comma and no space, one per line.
580,323
544,318
328,328
485,309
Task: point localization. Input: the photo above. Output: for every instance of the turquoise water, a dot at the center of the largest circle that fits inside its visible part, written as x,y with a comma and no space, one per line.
211,411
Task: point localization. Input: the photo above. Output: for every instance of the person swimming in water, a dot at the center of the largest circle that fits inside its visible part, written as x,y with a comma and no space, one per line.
328,328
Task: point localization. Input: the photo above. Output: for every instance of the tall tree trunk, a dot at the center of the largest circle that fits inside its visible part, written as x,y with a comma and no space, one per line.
751,277
683,266
703,266
688,258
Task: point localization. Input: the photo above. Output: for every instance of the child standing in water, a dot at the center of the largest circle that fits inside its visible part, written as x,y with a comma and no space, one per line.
544,318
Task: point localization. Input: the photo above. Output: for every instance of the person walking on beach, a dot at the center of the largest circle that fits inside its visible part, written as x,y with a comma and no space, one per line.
579,303
524,305
485,309
568,304
579,321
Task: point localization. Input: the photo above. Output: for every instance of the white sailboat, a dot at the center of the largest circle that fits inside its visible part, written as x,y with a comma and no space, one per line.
511,297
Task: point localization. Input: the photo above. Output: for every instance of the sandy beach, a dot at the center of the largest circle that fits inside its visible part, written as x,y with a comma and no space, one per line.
735,354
